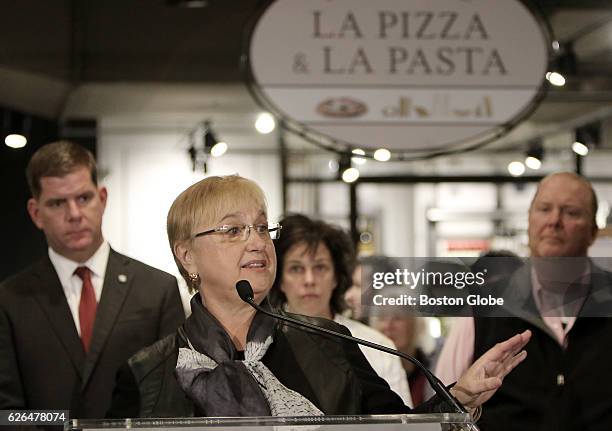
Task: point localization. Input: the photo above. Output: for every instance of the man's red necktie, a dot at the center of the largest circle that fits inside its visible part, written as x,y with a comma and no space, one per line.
87,306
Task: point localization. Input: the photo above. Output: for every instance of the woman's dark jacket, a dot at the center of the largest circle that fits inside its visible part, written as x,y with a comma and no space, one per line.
333,374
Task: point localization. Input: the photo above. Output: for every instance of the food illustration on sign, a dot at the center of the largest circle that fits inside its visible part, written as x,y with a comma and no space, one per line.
342,107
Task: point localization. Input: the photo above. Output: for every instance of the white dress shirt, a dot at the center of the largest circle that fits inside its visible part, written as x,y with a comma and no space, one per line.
72,284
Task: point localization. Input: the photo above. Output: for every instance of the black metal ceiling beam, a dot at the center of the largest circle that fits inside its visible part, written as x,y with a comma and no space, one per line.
415,179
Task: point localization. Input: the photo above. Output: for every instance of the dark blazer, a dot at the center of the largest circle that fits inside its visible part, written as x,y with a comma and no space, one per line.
556,388
42,362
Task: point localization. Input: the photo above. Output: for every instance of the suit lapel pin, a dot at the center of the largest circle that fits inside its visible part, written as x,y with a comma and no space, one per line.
122,278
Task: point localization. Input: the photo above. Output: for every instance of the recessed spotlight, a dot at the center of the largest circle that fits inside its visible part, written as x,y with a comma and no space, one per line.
218,149
358,160
382,155
580,149
533,163
516,169
555,78
350,175
265,123
15,141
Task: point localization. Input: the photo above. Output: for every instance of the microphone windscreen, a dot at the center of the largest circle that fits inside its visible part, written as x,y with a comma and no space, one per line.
245,291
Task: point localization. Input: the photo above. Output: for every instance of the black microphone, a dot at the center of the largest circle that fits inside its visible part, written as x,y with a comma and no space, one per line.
245,291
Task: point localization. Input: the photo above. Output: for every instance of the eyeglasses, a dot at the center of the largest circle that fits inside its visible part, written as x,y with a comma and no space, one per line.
241,232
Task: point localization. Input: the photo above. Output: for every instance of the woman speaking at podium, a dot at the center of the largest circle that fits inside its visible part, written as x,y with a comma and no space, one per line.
228,359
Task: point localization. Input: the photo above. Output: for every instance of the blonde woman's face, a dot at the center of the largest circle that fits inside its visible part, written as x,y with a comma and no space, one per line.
222,262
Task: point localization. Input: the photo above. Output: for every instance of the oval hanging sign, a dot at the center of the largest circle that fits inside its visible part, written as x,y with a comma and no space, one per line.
407,75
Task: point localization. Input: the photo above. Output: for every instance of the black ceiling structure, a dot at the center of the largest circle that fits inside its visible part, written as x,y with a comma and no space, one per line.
155,40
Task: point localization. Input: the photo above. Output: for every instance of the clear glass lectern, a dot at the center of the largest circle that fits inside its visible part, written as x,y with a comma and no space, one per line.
412,422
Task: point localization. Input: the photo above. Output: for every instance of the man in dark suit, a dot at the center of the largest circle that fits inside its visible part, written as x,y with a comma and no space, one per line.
69,321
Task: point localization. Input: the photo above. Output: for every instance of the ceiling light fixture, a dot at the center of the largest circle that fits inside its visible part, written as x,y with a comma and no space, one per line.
533,163
218,149
16,128
382,155
555,78
535,154
580,148
350,175
265,123
356,159
15,140
516,169
587,137
203,143
346,172
563,65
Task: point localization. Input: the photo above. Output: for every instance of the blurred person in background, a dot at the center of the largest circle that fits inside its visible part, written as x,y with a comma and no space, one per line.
352,297
409,334
497,265
360,288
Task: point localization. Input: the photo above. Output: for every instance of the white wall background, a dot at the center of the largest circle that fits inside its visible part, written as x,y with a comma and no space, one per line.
145,171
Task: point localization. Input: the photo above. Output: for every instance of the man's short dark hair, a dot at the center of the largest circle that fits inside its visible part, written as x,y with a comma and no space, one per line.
299,229
58,159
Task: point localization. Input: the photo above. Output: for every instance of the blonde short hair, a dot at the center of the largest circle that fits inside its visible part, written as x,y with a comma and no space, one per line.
206,202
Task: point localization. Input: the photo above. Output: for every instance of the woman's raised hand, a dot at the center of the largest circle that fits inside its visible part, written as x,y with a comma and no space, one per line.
485,376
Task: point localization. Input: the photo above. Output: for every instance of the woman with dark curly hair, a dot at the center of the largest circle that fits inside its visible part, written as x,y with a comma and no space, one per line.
315,262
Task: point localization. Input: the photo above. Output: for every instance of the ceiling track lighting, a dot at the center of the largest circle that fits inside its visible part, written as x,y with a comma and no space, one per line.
346,172
534,155
563,65
350,175
580,148
586,137
358,156
203,143
16,129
